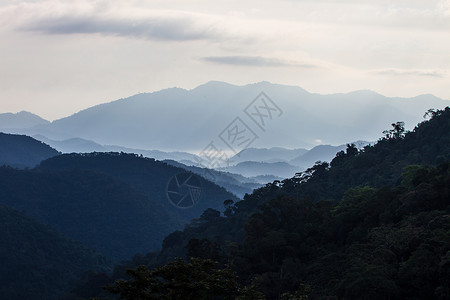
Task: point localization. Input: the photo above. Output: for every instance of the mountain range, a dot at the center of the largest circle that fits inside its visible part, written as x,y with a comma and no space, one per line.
63,215
189,120
373,223
316,229
103,199
179,125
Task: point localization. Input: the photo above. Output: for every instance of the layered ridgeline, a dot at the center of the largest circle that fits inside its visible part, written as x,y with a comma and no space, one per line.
39,263
20,120
372,224
22,151
188,120
115,203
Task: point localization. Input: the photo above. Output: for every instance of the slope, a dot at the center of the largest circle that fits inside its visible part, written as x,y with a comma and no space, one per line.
39,263
23,151
374,224
147,176
101,212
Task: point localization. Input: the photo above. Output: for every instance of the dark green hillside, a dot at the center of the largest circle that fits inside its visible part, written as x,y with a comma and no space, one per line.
102,212
378,165
23,151
374,244
36,262
148,176
374,224
114,203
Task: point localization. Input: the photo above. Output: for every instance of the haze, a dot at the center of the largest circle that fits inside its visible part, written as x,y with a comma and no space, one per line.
58,57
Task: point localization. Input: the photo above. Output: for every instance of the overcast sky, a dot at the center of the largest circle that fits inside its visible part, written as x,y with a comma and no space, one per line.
58,57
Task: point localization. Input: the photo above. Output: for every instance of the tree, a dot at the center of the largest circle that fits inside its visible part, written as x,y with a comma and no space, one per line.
228,204
398,131
202,248
351,149
196,279
301,294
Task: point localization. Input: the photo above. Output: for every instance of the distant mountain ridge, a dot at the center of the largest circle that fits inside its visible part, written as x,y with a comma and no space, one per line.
253,169
234,183
318,153
21,120
277,162
238,179
268,155
79,145
188,120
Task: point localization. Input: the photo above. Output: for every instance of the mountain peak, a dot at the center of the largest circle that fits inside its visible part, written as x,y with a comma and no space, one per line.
21,120
188,120
365,93
214,84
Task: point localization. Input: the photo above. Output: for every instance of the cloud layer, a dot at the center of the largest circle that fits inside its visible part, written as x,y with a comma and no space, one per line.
255,61
170,28
68,55
421,73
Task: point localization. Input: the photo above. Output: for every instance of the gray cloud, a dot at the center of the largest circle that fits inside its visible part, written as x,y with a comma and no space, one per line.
159,28
424,73
255,61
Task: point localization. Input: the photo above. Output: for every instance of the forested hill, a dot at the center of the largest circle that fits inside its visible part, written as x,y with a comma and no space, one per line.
115,203
376,165
39,263
23,151
374,224
145,175
103,213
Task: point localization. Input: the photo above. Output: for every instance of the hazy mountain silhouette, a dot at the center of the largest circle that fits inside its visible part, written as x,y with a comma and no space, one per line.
275,154
237,184
21,120
73,145
23,151
253,169
79,145
188,120
321,152
247,170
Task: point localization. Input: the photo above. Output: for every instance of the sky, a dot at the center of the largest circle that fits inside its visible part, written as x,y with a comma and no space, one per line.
58,57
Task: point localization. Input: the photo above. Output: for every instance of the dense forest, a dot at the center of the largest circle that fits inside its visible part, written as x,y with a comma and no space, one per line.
145,175
39,263
99,211
372,224
114,203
